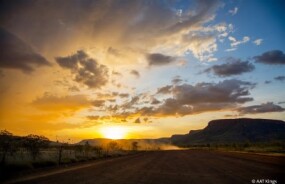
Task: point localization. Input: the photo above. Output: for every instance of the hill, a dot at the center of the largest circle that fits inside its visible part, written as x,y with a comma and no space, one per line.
234,131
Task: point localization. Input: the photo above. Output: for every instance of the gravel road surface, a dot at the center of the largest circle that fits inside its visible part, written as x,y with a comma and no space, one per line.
173,167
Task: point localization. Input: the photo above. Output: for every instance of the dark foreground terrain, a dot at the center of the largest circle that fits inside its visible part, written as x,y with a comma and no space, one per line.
165,167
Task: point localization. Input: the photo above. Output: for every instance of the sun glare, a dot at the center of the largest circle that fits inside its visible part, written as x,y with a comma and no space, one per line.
114,132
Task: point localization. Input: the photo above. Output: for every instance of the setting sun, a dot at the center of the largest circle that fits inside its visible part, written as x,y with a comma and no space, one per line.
113,132
165,91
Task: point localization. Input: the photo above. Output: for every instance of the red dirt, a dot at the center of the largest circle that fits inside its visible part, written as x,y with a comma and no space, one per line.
173,167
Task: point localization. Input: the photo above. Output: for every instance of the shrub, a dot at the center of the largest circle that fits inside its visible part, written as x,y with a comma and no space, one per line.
35,143
46,163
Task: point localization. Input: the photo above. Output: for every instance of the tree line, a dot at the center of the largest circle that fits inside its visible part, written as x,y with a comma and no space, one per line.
35,144
10,144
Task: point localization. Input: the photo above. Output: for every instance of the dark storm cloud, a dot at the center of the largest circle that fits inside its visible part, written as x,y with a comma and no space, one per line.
157,59
202,97
234,67
73,89
280,78
172,107
85,69
227,91
263,108
135,73
16,54
273,57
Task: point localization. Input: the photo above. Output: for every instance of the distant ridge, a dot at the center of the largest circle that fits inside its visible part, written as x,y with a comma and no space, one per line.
234,131
221,131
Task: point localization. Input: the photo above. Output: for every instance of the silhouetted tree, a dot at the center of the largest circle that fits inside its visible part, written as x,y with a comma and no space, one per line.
6,139
34,143
98,150
87,148
61,148
78,149
112,146
135,146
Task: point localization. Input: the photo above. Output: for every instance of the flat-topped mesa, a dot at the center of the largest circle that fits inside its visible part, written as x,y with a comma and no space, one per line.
235,131
242,120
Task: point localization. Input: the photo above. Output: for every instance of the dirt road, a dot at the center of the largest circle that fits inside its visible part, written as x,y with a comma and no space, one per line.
175,167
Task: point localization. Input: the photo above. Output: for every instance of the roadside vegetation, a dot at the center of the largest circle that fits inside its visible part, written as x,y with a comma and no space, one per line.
276,147
25,154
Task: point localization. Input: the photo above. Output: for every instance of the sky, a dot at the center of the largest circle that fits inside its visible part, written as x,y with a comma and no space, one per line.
72,69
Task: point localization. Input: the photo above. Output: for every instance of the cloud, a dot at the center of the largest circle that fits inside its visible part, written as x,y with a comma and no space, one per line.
202,45
227,91
105,96
93,117
139,25
263,108
273,57
267,82
203,97
157,59
235,42
16,54
113,51
124,95
203,13
234,67
85,69
164,90
121,95
137,120
129,105
116,73
233,11
176,80
61,103
258,41
98,103
280,78
135,73
231,49
155,101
